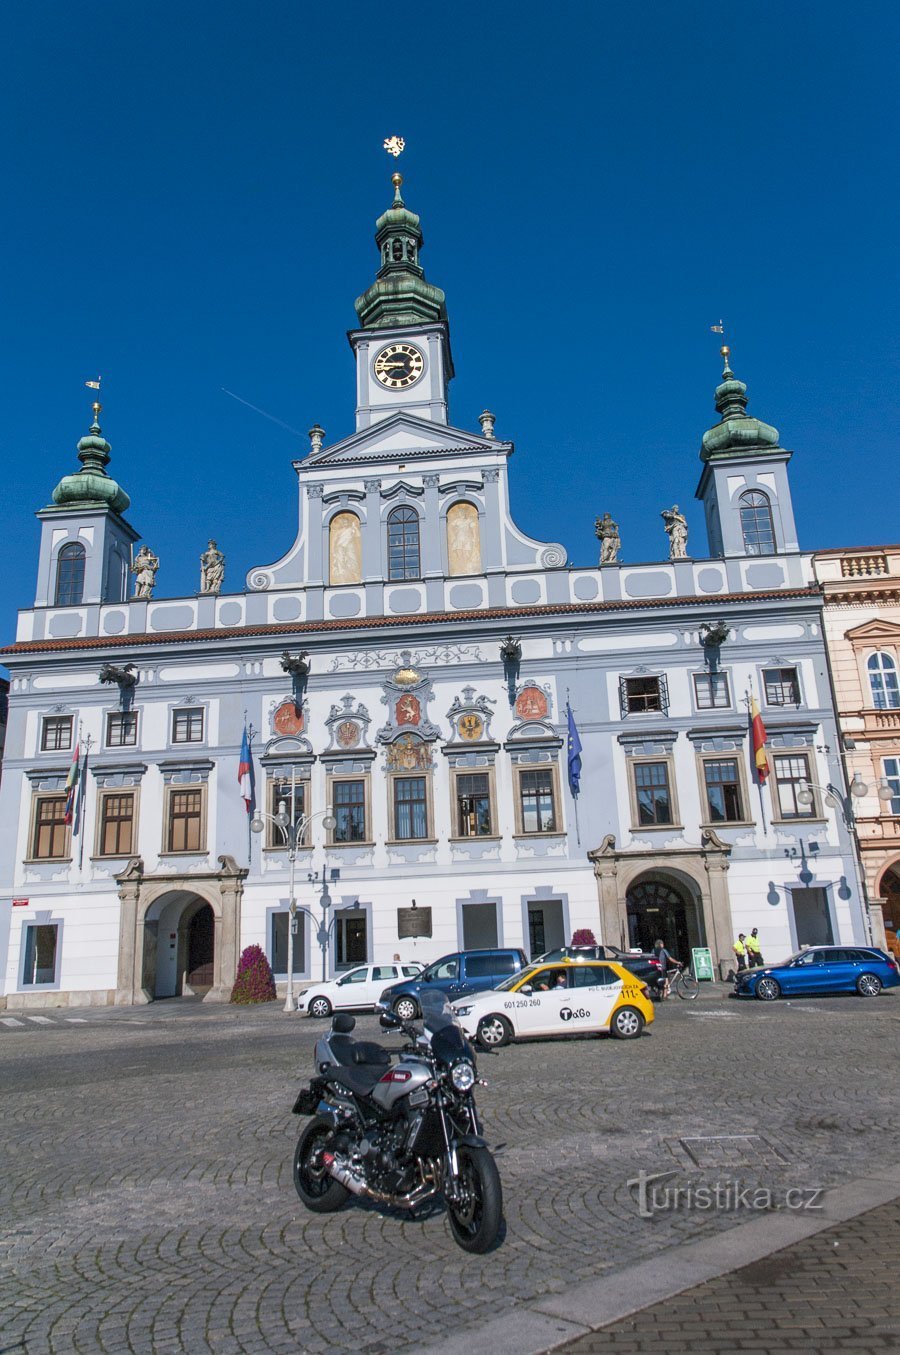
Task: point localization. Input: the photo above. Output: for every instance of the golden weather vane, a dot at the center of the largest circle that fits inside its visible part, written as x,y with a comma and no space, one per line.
394,145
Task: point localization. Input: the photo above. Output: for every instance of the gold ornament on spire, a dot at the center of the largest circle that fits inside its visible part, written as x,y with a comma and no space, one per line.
394,145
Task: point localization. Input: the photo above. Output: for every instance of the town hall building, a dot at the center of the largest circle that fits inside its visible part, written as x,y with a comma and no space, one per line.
405,667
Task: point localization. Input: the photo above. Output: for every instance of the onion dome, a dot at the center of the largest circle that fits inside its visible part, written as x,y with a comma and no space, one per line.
400,294
737,431
91,486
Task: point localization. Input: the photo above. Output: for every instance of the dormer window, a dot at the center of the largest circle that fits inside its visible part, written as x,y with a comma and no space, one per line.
403,544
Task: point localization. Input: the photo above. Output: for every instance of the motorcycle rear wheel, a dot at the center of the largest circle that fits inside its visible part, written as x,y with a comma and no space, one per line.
475,1221
318,1191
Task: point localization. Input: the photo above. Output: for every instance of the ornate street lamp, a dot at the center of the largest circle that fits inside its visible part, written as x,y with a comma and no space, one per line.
844,803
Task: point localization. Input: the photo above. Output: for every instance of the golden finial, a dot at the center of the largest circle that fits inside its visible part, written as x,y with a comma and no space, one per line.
96,407
396,180
725,351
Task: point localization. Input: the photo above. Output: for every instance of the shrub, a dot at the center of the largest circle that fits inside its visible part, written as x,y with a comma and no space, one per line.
584,937
254,982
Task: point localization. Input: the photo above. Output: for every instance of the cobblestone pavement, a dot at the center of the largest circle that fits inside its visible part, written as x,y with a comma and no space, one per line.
836,1292
146,1201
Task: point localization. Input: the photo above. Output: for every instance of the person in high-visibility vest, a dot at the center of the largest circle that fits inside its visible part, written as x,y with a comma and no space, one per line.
740,951
754,950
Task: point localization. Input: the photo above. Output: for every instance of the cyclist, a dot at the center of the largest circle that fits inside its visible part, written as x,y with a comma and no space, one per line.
666,962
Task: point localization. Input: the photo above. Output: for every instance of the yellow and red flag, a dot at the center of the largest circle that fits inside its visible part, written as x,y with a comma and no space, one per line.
760,757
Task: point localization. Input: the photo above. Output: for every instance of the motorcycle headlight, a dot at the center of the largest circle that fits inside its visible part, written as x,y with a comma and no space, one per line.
462,1075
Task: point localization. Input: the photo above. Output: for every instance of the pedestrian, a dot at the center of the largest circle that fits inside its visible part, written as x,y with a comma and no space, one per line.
665,961
740,952
754,950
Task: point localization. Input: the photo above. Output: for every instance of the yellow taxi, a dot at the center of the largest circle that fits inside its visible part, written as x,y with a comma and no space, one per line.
563,998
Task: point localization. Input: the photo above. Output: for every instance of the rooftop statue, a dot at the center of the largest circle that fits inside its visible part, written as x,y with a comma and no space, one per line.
677,532
212,569
144,570
607,533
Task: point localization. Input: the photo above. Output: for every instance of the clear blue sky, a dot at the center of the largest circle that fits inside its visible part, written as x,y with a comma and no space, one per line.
190,193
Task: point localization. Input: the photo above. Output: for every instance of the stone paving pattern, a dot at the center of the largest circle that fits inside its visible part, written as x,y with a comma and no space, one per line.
146,1201
836,1292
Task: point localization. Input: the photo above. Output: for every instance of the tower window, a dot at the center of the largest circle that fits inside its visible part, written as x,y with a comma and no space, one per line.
403,544
883,681
70,575
756,523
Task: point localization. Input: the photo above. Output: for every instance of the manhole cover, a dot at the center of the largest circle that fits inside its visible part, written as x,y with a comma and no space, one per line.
732,1150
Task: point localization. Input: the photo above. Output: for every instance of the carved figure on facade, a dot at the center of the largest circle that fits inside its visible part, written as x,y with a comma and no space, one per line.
677,532
470,716
345,549
212,569
607,533
463,539
348,725
144,570
406,694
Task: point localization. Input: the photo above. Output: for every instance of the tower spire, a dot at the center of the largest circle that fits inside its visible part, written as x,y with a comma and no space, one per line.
92,484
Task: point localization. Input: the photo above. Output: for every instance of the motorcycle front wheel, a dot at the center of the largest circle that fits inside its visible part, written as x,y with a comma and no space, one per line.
475,1217
318,1191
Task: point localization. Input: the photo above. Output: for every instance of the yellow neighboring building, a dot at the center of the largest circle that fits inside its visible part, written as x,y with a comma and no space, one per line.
862,635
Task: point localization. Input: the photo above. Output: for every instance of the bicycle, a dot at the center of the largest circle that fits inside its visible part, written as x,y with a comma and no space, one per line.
683,984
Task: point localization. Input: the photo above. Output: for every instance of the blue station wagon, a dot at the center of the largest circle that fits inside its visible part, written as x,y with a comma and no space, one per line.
458,975
822,969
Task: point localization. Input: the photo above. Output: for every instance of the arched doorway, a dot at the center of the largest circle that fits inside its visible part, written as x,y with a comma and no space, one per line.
179,946
889,891
659,906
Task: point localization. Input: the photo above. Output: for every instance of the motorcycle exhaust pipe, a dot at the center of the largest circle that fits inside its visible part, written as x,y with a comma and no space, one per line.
357,1186
342,1173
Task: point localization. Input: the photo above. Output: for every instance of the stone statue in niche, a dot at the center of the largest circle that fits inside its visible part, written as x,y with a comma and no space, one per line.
144,570
345,549
607,533
677,532
212,569
463,539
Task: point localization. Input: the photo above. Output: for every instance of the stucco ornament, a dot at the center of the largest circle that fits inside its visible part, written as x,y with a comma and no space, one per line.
345,549
144,570
607,533
212,569
677,532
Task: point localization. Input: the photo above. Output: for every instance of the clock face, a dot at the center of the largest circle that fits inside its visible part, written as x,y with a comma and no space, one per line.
399,366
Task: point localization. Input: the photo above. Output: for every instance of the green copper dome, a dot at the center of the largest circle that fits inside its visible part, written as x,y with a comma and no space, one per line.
92,486
400,294
737,431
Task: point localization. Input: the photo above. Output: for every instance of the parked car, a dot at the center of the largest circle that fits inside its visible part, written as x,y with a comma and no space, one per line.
642,964
358,988
457,975
822,969
566,998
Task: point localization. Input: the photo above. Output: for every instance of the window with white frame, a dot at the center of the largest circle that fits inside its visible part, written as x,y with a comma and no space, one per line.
724,796
473,804
121,728
56,733
882,670
791,771
757,527
652,793
187,725
891,768
348,799
410,807
537,800
711,691
781,687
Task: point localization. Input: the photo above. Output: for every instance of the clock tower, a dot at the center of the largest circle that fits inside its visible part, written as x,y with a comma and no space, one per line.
403,360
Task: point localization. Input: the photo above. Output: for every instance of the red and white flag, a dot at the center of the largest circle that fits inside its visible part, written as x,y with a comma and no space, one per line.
245,774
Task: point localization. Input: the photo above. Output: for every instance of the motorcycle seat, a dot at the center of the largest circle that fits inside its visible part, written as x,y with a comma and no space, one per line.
354,1053
360,1079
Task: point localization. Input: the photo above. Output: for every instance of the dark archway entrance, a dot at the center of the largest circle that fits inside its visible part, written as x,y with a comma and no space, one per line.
200,949
661,908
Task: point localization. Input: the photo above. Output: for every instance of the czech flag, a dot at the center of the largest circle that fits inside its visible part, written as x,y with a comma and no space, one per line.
245,773
72,782
760,758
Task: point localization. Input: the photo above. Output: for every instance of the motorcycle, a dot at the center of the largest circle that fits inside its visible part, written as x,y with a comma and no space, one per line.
399,1133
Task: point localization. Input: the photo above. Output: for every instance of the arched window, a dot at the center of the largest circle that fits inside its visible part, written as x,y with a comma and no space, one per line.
756,523
463,539
345,549
403,544
70,575
883,681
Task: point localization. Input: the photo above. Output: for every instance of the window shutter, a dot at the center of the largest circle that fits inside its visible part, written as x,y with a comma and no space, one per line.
663,693
623,696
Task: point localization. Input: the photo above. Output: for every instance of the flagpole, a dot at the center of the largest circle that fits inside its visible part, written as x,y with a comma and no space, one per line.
82,800
569,718
759,784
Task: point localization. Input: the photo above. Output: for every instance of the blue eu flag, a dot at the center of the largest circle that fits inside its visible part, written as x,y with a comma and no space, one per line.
574,752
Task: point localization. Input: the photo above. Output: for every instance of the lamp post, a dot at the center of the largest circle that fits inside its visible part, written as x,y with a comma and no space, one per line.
291,831
333,876
844,803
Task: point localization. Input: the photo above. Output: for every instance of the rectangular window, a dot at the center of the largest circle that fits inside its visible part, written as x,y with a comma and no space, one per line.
723,790
537,801
116,823
651,785
891,767
642,694
410,807
51,832
790,770
349,802
56,733
185,822
187,725
473,805
280,795
40,954
711,691
782,687
280,922
121,729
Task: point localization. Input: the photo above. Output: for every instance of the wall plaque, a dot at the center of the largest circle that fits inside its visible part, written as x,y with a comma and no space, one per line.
413,922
